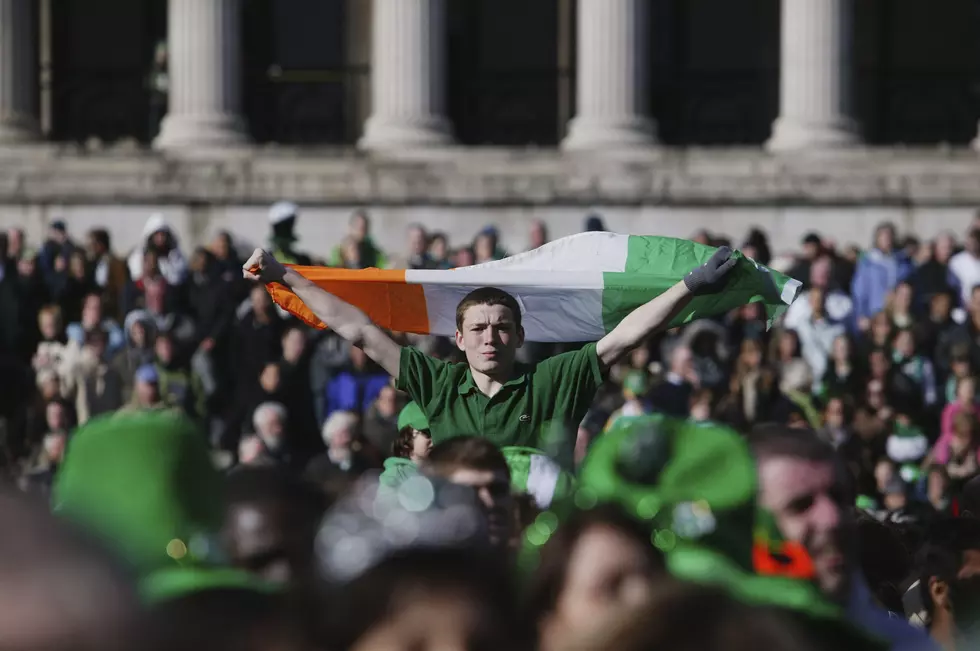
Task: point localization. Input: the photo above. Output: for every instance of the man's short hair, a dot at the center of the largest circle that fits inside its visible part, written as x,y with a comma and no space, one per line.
772,440
465,452
102,237
488,296
769,440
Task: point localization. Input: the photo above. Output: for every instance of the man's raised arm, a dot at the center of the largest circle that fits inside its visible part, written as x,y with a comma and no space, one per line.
342,317
657,314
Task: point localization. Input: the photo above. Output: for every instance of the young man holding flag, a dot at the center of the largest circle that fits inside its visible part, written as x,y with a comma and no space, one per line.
491,395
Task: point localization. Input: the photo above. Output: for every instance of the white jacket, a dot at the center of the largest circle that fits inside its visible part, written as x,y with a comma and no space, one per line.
173,267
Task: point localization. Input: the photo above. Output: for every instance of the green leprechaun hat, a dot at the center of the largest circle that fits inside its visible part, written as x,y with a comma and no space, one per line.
696,487
145,483
412,416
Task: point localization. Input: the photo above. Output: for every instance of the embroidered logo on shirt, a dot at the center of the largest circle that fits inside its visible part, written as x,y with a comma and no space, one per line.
525,418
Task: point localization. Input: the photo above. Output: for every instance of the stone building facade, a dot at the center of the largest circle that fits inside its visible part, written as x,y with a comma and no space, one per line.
664,115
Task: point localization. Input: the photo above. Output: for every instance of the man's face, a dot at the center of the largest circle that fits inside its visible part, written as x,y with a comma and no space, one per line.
493,491
269,378
259,541
416,241
885,239
260,300
490,338
56,417
148,393
293,345
15,241
271,431
834,414
26,267
820,273
161,239
359,227
387,401
805,498
92,311
94,248
538,235
944,248
164,350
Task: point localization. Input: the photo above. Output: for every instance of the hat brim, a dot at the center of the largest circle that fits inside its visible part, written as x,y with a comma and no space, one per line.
174,582
697,564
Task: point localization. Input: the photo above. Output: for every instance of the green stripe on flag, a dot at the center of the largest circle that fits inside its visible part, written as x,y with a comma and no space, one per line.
654,264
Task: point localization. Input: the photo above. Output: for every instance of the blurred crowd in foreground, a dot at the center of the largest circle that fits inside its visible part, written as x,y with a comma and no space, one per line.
218,432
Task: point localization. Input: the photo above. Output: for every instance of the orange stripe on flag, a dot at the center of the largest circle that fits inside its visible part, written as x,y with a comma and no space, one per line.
380,293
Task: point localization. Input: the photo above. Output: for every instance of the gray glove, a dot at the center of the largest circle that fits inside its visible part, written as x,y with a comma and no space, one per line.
709,275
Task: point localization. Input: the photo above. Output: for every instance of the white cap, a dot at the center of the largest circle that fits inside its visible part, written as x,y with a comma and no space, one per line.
281,211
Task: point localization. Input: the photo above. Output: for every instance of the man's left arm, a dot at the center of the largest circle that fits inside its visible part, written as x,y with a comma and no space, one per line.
656,315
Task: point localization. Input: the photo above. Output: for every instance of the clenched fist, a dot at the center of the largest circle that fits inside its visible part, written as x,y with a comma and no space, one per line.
263,267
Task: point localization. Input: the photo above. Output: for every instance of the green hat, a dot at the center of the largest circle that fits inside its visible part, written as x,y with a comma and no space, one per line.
144,481
412,416
636,382
696,486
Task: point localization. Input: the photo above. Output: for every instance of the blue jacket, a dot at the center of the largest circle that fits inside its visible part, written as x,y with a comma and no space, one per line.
352,392
877,274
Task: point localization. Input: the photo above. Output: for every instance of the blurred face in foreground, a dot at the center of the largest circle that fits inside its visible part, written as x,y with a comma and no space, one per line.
261,539
805,498
490,338
493,490
433,621
608,571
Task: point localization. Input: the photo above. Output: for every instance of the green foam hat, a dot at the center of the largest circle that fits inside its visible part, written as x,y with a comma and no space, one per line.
695,485
412,416
145,483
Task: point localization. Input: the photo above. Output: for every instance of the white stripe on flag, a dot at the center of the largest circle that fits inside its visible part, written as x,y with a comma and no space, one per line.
562,305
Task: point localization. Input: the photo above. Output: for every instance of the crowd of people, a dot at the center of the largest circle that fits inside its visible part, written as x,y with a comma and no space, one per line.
857,416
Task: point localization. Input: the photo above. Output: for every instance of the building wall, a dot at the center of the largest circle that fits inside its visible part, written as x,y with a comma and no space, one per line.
671,192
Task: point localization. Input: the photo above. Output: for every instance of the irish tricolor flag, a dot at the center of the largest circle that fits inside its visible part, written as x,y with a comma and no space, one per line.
573,289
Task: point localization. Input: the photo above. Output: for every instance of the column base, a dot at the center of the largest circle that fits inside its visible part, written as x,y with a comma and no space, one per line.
19,130
385,133
792,135
201,132
585,134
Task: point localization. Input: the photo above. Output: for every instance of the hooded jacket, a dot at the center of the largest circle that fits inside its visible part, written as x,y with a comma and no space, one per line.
173,266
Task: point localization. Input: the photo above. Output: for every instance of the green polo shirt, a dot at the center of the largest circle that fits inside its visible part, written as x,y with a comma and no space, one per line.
540,408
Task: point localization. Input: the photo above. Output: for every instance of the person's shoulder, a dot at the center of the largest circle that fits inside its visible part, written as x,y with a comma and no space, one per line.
415,358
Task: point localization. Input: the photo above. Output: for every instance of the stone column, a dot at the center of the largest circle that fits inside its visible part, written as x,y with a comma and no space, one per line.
613,84
204,69
18,72
815,94
408,76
